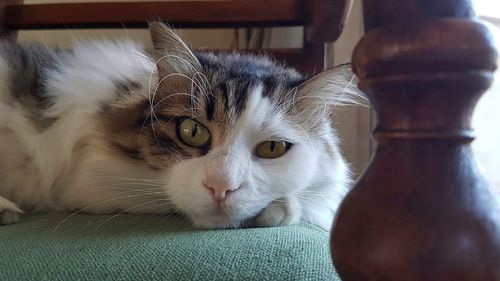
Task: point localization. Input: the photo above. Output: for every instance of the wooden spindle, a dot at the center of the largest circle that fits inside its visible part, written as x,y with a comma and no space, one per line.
422,210
324,21
6,33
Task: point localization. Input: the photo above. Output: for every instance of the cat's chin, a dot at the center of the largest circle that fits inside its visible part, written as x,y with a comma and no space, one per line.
217,219
216,222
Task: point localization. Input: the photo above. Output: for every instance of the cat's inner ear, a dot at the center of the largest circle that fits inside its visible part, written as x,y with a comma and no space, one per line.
173,55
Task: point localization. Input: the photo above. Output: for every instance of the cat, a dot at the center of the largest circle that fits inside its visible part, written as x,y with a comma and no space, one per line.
227,140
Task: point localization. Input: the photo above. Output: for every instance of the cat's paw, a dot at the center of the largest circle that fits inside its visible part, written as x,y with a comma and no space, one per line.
8,212
284,211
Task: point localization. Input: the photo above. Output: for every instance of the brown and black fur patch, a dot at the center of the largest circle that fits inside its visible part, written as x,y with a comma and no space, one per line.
29,66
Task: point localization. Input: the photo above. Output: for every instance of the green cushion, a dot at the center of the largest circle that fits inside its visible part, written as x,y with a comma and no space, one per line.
134,247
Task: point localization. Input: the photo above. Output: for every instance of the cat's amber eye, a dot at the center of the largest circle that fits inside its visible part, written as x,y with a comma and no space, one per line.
272,149
193,133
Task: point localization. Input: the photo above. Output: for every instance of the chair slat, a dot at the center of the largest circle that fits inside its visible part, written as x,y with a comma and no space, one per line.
136,14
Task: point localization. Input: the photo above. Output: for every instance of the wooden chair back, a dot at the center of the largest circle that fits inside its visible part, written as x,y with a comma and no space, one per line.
322,20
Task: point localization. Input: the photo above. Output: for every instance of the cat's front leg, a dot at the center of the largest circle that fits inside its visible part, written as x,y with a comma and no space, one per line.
8,212
283,211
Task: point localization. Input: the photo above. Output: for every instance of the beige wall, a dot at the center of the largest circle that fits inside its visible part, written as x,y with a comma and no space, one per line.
211,38
353,122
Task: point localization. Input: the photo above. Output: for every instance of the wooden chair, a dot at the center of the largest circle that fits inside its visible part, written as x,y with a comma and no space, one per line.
422,210
322,20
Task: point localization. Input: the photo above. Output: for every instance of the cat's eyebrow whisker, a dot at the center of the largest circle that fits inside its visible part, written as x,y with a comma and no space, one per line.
171,75
173,95
306,134
153,95
207,89
202,90
155,67
204,79
170,56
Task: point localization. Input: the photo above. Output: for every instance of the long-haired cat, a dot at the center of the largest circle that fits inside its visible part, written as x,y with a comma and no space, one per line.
225,139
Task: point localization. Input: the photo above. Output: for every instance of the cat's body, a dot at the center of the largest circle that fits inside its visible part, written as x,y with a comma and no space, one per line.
102,129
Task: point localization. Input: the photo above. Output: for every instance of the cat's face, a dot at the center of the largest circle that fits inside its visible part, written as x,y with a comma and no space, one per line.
229,134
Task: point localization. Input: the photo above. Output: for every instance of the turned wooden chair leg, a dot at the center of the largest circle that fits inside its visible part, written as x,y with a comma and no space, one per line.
5,33
422,210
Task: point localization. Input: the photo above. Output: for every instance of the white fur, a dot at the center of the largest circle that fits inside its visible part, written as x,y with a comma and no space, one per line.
67,167
305,183
40,168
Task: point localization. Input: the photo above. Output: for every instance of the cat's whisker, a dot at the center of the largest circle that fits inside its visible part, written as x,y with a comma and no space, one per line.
129,178
172,75
132,183
125,211
175,211
93,205
136,192
306,134
151,186
125,189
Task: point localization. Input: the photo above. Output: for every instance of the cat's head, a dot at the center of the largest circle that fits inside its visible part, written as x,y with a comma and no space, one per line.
231,133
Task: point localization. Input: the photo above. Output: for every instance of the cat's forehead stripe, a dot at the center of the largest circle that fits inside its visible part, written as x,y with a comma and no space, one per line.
210,106
234,74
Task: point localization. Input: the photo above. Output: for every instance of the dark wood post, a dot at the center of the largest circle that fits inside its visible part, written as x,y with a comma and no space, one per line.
422,210
4,32
324,22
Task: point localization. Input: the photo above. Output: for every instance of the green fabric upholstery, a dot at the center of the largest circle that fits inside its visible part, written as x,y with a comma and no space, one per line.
134,247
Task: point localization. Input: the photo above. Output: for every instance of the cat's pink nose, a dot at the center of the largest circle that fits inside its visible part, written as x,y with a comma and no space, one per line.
218,186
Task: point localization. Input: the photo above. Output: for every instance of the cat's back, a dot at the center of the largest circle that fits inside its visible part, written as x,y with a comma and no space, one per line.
23,100
49,100
23,73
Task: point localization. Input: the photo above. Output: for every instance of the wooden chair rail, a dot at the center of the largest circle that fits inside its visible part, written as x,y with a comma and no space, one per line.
322,19
199,14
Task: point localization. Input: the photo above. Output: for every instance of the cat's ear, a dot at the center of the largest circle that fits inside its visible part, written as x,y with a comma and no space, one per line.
173,55
333,87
